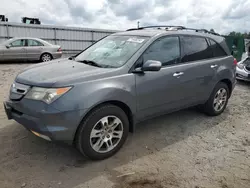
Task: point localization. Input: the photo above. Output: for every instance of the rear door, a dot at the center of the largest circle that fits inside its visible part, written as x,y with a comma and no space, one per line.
34,49
16,50
198,67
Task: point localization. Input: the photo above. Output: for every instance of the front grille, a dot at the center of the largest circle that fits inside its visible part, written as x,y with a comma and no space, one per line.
18,91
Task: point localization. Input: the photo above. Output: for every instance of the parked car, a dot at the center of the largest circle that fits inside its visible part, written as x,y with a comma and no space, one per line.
243,69
29,49
94,99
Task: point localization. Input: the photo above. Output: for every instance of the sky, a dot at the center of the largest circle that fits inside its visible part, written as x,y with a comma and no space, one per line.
221,15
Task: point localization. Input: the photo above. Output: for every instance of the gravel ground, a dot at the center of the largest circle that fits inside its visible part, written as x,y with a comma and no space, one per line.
182,149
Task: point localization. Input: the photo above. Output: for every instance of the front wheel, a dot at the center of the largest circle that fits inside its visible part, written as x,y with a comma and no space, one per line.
103,132
218,100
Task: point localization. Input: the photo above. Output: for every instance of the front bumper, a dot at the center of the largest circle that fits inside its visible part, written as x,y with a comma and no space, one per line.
43,120
242,74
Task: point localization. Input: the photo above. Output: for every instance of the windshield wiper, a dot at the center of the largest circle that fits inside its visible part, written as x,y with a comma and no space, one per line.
89,62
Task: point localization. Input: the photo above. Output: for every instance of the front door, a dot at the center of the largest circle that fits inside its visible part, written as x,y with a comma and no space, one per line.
159,92
16,50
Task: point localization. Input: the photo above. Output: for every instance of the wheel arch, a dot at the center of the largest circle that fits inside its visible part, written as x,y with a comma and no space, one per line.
120,104
229,85
46,53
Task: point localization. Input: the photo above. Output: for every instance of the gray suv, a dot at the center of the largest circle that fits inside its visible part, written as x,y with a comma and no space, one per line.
94,99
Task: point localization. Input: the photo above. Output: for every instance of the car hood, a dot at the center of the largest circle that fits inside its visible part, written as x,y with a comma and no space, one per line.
62,72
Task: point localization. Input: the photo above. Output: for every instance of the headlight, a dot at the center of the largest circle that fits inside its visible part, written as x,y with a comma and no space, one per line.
240,65
48,95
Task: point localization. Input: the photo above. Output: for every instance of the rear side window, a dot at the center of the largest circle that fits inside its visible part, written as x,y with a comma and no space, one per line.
217,49
34,43
165,49
194,49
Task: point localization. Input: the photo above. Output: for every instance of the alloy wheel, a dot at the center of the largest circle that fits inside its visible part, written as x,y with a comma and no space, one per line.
220,99
46,57
106,134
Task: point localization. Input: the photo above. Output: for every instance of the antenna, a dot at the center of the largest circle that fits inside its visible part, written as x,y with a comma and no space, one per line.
138,24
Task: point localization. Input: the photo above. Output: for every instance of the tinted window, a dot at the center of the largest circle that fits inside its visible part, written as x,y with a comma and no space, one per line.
195,48
217,50
166,50
18,43
34,43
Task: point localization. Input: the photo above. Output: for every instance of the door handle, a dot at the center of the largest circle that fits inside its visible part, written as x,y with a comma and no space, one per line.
178,74
213,66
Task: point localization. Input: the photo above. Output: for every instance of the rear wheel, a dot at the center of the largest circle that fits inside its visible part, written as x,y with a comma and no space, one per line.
103,132
46,57
218,100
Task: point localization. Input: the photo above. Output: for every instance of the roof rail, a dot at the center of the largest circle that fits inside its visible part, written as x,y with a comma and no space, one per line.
202,30
167,27
157,26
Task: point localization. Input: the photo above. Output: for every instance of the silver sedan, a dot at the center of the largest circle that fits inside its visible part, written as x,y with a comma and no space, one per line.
29,49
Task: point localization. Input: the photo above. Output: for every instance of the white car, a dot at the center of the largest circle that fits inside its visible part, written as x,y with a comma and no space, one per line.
243,68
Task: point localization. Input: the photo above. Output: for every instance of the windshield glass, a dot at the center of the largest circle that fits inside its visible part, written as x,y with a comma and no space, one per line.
112,51
7,41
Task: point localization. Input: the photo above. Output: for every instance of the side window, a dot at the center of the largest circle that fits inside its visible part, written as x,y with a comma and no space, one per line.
217,49
18,43
166,50
194,49
34,43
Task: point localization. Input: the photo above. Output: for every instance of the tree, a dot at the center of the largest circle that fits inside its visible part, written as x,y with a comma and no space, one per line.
232,33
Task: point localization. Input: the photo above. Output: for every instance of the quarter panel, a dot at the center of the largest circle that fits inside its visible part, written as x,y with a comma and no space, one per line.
225,70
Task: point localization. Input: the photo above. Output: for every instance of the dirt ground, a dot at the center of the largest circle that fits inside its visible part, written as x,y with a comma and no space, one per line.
183,149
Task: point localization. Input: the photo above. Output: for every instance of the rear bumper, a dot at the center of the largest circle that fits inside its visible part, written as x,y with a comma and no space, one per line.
48,123
241,74
57,55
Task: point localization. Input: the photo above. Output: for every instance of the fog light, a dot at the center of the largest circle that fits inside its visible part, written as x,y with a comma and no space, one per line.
41,136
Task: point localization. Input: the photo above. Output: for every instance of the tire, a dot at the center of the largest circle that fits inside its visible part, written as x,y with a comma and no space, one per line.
94,122
46,57
210,106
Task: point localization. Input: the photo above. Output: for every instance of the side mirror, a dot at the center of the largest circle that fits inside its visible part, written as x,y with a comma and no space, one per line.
151,65
7,46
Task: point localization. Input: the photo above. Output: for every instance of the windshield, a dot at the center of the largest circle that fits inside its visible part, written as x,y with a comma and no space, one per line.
112,51
7,41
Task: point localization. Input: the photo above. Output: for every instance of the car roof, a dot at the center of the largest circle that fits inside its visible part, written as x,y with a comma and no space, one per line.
26,38
155,32
32,38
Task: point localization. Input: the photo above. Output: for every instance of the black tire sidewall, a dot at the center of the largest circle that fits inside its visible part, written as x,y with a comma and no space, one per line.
83,140
209,106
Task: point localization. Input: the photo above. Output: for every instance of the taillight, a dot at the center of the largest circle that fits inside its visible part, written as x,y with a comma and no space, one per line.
235,62
59,50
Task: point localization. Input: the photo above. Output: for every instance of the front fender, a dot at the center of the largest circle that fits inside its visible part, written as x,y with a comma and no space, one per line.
89,94
111,94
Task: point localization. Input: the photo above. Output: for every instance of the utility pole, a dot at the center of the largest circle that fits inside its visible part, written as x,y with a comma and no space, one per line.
138,24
